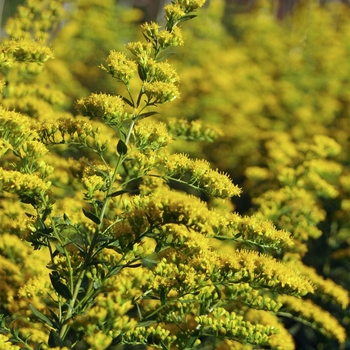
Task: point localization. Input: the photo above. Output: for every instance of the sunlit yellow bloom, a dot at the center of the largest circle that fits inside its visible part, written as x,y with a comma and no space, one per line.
5,344
161,71
140,49
173,12
16,182
119,67
26,51
151,135
103,106
159,92
281,339
166,39
314,315
150,30
208,180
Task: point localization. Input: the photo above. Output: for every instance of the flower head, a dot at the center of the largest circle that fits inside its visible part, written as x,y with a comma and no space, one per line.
160,92
103,106
120,67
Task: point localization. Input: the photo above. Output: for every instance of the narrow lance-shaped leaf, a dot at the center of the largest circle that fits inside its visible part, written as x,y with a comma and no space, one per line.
59,287
146,115
118,193
186,18
91,216
41,316
162,295
126,100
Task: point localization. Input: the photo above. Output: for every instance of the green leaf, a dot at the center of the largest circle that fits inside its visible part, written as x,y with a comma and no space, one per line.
165,56
162,295
158,247
117,340
146,115
122,149
126,101
186,18
55,318
27,199
79,247
66,219
39,346
45,231
116,270
46,213
59,287
118,193
192,339
146,323
142,73
41,316
59,249
55,340
92,217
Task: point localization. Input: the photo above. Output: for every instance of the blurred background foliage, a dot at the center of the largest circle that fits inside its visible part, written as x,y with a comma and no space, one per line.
274,78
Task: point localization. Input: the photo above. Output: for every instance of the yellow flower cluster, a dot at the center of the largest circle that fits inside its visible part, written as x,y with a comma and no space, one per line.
73,131
282,339
21,90
164,207
152,258
257,231
36,20
150,135
202,177
193,130
24,51
14,220
35,292
151,336
246,295
92,184
163,39
160,92
185,5
314,316
120,67
264,271
160,71
23,184
325,287
19,266
106,107
5,344
16,128
223,323
293,209
142,51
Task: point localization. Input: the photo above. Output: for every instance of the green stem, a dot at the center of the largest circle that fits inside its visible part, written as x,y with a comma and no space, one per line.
130,131
64,329
66,254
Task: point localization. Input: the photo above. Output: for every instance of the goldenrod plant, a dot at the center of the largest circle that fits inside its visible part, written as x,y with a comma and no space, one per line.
106,239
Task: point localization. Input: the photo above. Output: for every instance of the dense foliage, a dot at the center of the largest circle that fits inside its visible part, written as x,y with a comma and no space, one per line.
116,233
